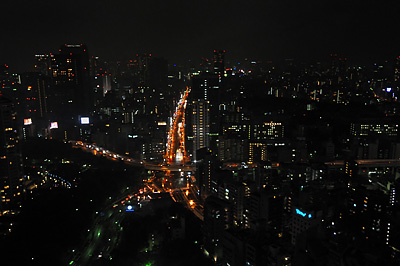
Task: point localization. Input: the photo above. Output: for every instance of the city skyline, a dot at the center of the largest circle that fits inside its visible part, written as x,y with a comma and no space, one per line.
205,133
178,31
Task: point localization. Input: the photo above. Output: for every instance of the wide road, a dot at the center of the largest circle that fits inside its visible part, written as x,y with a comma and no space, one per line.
100,151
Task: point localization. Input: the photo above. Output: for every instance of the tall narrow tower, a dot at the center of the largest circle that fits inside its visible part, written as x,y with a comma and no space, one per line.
205,121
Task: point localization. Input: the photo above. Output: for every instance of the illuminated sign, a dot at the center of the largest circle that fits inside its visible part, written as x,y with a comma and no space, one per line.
73,45
273,124
53,125
162,123
303,213
84,120
129,208
27,121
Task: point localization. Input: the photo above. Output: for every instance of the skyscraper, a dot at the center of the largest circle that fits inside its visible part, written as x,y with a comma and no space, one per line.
10,161
219,62
205,97
201,125
71,78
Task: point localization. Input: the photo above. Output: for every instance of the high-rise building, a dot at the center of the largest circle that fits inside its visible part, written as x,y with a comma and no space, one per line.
11,176
4,74
71,78
205,120
267,131
219,62
36,87
217,218
374,128
32,106
43,64
396,75
201,125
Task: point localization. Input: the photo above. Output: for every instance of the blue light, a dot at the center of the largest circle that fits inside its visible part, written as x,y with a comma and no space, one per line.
303,213
300,213
129,208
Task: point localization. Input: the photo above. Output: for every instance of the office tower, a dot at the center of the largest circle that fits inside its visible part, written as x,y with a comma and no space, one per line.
233,134
35,87
4,74
257,152
301,221
232,149
219,62
205,120
396,78
33,103
372,128
43,64
139,67
371,209
94,66
10,161
201,125
206,98
158,73
267,131
70,73
217,219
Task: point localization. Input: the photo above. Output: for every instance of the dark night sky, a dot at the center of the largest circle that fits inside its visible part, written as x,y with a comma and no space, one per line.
188,29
